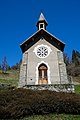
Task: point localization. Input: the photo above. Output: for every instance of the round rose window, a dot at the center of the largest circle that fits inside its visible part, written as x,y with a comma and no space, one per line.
42,51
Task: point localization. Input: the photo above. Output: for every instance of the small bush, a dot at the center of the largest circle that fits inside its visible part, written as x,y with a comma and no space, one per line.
19,103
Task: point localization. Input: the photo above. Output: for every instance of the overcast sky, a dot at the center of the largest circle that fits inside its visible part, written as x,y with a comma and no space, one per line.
18,22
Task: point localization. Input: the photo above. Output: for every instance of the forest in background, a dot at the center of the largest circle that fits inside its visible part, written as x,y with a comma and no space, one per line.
73,63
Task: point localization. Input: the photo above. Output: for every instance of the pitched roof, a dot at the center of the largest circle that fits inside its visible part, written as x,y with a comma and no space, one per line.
42,34
41,19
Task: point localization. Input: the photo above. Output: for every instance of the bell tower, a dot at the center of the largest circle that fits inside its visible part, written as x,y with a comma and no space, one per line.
42,23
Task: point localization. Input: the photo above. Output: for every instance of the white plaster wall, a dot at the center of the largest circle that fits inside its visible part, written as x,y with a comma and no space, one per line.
51,60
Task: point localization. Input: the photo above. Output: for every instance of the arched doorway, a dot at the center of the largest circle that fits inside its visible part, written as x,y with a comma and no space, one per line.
42,74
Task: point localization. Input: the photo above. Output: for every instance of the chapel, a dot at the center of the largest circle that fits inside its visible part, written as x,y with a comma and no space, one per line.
43,64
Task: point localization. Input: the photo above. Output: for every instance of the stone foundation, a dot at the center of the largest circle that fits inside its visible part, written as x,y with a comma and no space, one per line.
56,87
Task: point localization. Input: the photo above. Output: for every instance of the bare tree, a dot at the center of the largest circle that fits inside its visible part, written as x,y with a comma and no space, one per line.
4,65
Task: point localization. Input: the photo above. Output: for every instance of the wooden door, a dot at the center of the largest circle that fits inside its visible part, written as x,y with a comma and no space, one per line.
42,73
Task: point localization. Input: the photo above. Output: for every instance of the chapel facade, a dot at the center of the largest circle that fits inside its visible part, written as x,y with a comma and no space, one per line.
43,63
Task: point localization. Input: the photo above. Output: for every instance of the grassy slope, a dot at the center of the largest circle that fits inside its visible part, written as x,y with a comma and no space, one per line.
54,117
77,89
10,78
76,79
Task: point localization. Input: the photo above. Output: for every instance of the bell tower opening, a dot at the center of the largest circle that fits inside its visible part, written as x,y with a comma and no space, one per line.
41,26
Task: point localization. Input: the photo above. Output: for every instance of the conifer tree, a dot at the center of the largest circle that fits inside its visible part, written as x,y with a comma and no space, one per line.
73,56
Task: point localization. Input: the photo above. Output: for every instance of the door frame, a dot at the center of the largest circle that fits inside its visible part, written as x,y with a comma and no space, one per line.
48,72
42,74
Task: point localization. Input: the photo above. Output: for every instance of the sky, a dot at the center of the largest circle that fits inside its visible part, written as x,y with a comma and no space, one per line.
18,20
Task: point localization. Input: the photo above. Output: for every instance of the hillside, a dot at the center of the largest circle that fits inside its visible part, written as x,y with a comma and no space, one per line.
20,103
11,77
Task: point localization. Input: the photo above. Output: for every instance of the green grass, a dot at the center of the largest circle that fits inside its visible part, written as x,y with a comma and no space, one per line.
53,117
11,77
77,89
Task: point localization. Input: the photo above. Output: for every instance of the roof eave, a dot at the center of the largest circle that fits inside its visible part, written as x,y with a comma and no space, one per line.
55,37
29,38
